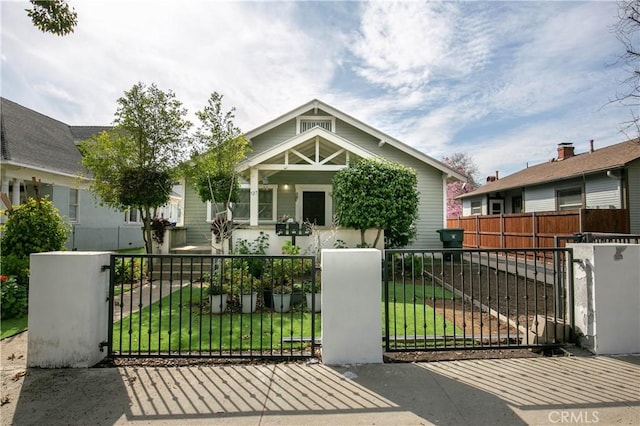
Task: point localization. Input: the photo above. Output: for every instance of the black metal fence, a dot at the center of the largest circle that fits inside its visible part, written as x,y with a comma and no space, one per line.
213,306
477,298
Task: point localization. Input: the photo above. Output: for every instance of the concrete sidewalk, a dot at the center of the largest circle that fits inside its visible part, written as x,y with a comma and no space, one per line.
602,390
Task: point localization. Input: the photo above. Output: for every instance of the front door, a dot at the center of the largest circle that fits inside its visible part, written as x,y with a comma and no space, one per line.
313,207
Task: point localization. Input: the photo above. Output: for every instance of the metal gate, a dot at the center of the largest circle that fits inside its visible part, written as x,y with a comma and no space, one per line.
212,306
477,299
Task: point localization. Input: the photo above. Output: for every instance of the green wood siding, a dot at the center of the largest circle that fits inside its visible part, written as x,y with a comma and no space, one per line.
195,218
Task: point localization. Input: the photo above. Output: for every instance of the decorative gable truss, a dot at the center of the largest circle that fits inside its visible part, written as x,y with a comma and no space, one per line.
316,149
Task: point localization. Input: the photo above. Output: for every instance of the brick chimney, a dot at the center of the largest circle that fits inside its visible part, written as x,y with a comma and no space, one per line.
565,150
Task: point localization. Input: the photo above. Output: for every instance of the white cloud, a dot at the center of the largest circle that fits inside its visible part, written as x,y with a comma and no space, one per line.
404,45
494,79
257,56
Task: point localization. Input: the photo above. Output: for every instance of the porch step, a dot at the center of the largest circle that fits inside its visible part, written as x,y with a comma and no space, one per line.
190,249
181,267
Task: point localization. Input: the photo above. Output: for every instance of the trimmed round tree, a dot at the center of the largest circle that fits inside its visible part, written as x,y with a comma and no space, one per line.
377,194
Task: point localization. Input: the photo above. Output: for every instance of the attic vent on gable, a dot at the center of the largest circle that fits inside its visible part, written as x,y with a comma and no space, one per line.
308,123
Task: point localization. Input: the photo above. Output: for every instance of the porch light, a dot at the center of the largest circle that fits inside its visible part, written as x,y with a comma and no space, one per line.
286,186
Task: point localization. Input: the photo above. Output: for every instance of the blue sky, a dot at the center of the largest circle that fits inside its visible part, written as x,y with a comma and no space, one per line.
504,82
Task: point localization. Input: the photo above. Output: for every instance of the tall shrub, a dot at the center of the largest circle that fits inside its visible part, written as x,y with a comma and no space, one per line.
33,227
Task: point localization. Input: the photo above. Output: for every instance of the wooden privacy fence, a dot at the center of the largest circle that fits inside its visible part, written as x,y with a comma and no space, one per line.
536,230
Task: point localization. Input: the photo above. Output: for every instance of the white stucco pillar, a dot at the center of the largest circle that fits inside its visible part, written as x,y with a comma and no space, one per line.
606,297
15,196
68,309
253,198
351,306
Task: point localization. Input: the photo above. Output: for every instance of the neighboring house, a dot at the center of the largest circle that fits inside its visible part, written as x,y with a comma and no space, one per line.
606,178
37,146
290,169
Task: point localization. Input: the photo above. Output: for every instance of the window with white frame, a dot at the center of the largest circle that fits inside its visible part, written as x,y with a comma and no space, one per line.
476,207
73,204
569,199
266,204
309,122
132,216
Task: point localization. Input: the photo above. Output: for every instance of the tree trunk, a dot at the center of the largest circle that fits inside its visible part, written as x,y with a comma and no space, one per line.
146,229
375,243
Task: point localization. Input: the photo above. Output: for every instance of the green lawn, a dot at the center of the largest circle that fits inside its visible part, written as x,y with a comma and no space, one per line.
169,325
172,324
410,315
12,326
417,293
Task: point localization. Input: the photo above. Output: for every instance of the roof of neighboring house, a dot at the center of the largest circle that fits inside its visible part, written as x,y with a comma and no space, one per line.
607,158
81,133
31,139
384,138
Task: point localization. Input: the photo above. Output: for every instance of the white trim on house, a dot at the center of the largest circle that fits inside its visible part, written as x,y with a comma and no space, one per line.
317,104
259,162
328,201
317,118
274,203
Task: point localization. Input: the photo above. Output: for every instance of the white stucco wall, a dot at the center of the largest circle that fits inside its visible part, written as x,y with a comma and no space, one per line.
351,306
607,297
68,309
326,239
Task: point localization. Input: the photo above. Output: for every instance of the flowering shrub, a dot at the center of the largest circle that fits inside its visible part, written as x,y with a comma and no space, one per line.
13,297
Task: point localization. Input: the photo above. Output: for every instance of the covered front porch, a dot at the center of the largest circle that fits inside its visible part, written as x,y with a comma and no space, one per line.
292,183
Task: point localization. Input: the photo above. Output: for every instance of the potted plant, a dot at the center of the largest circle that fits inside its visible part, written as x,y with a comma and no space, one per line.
282,298
312,294
218,294
248,296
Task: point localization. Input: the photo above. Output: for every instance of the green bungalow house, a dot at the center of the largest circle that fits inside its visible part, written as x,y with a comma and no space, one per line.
289,172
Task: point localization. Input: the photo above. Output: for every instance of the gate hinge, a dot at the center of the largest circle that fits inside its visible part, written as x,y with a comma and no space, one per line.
104,268
101,345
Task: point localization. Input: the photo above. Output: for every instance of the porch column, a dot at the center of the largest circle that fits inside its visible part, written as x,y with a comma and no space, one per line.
253,198
15,196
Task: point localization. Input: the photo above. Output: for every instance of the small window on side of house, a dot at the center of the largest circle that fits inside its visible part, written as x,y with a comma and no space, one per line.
74,198
476,207
132,216
569,199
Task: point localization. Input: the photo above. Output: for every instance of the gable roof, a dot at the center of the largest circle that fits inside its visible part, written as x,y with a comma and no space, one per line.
384,138
31,139
301,138
607,158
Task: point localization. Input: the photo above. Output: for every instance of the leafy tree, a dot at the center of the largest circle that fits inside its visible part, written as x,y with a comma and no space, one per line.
627,30
53,16
377,194
463,164
134,164
218,147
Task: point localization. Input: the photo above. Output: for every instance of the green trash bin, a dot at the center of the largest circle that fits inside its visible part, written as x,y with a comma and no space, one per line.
451,239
